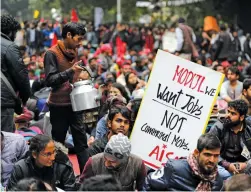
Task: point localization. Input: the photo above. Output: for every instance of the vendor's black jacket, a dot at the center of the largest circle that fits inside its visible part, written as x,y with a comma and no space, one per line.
59,175
13,68
177,175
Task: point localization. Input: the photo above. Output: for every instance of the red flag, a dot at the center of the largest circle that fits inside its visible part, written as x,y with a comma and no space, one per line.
54,40
74,16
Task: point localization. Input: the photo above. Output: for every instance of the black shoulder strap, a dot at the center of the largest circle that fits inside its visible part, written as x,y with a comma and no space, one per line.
7,83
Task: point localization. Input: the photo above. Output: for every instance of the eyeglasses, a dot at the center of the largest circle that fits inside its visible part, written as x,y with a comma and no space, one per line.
48,155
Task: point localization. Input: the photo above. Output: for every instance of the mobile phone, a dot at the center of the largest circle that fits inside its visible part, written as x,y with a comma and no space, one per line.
81,64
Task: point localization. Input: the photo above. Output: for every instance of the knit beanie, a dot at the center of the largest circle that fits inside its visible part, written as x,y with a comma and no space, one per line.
118,148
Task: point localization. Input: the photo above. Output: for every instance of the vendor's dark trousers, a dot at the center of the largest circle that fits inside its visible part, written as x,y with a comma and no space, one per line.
61,119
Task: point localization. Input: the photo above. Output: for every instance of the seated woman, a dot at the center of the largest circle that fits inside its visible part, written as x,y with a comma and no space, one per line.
45,162
133,83
118,89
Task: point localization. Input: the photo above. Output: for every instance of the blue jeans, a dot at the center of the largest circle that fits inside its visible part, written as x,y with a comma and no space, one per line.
225,174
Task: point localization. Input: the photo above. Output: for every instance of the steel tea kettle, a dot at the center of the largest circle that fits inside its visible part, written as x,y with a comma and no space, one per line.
84,95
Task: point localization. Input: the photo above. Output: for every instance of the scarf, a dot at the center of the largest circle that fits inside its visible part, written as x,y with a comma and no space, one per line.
70,54
206,180
60,95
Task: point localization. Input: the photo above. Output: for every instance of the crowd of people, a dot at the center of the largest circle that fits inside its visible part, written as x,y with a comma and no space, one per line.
39,63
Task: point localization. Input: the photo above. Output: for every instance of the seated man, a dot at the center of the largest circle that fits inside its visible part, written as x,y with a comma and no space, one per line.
246,94
235,134
126,67
118,121
118,161
231,89
13,149
196,173
140,66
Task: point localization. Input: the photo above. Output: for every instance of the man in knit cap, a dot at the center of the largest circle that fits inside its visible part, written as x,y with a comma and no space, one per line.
118,161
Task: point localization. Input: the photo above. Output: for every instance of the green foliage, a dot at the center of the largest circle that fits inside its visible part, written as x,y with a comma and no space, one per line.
85,8
194,13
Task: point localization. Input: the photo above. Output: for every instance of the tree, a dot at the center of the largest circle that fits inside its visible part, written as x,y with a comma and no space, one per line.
17,8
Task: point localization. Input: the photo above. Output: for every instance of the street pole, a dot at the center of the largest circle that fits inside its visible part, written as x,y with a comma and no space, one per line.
119,17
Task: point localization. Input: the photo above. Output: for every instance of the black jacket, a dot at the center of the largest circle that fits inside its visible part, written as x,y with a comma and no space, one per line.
247,48
223,134
60,175
176,175
13,68
98,146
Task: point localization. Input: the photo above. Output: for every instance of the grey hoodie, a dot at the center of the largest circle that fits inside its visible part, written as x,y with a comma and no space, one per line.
13,148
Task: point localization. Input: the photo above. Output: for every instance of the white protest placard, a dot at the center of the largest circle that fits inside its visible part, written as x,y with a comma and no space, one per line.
175,109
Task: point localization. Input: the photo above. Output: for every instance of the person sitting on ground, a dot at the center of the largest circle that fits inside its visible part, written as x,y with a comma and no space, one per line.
13,149
118,121
101,183
235,133
118,161
118,89
126,68
231,89
133,83
198,172
240,182
140,66
246,94
31,184
101,128
134,104
45,162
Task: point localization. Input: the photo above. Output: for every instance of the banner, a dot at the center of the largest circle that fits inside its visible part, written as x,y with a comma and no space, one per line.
98,16
175,109
74,16
169,41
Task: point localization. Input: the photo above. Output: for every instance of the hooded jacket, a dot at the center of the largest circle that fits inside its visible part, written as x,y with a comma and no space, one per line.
14,148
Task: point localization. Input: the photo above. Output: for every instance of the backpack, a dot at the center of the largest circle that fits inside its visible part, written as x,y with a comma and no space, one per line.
28,133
